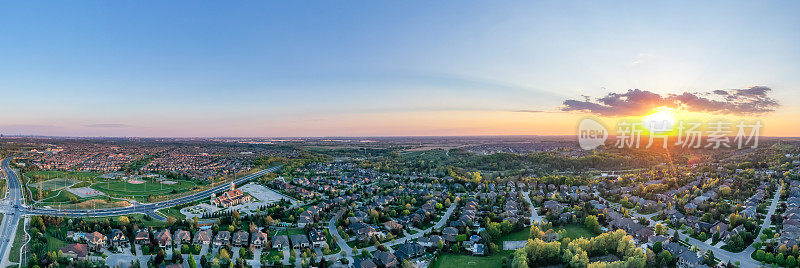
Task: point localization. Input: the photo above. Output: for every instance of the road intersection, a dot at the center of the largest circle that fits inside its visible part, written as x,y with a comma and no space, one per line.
14,208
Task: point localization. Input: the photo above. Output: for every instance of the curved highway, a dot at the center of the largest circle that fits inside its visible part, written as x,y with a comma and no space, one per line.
146,208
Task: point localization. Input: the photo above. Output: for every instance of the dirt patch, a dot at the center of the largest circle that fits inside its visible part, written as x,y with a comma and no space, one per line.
100,203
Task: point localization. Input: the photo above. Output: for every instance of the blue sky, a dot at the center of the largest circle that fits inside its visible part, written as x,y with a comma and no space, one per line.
279,68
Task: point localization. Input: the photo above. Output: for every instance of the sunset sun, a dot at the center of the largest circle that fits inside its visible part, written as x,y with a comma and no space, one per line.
662,119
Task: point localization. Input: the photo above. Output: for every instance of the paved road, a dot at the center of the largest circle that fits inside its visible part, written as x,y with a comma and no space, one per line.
12,202
335,233
13,208
742,257
346,248
148,208
535,217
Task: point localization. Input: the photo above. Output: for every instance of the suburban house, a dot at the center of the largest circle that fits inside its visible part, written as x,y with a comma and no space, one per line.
385,259
409,251
258,239
223,238
75,251
164,238
118,238
96,240
240,239
317,238
142,237
280,242
182,236
450,234
202,237
689,259
392,225
431,241
300,241
364,263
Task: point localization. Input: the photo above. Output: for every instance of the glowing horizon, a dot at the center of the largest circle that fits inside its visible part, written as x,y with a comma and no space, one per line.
278,69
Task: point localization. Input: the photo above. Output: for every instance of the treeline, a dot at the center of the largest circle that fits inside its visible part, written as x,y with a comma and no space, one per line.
539,163
576,253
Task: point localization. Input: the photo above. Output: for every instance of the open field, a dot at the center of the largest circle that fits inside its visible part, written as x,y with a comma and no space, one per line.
52,174
62,197
142,190
447,260
517,236
577,230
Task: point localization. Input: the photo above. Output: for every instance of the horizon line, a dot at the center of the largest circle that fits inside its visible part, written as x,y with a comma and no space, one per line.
320,137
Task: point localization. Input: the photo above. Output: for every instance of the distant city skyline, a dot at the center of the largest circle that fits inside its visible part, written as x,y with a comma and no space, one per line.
285,69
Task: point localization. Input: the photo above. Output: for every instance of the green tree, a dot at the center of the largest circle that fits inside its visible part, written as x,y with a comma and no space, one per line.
223,254
592,224
780,259
192,263
761,255
665,257
657,246
520,259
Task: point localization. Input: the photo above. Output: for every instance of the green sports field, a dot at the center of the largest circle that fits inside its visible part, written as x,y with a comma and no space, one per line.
52,174
138,191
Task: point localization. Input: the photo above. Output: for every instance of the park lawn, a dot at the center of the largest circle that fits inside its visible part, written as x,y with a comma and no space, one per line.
62,197
574,231
448,260
173,212
33,188
523,234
